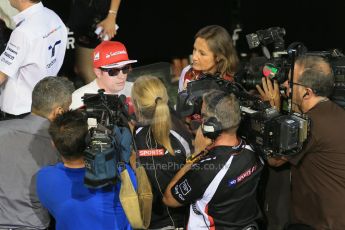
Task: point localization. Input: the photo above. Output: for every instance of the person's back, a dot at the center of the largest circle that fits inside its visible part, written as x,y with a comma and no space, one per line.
319,179
25,148
227,184
163,143
61,188
36,49
74,206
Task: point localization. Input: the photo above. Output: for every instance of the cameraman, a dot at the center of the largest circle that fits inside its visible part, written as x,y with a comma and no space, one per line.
61,188
221,187
318,171
111,66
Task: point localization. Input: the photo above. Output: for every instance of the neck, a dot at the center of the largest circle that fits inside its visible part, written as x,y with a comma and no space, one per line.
76,163
25,5
227,139
309,104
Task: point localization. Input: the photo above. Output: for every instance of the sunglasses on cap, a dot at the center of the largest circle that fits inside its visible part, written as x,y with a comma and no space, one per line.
112,72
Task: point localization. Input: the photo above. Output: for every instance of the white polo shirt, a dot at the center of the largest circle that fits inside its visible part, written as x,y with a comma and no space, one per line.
36,49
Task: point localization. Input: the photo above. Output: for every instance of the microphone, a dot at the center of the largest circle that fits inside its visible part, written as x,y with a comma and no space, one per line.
128,106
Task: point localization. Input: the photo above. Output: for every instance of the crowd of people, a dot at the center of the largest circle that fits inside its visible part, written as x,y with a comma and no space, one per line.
202,174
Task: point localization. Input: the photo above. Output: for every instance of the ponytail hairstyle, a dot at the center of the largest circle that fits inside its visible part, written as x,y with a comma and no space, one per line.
150,99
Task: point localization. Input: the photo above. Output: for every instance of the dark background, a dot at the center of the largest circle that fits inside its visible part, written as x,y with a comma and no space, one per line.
156,31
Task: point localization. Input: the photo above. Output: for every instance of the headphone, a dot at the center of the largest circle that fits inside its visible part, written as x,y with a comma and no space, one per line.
212,127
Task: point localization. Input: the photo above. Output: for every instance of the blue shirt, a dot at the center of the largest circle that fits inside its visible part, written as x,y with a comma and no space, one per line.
74,206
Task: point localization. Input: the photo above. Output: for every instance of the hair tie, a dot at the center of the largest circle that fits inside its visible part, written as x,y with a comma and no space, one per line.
157,98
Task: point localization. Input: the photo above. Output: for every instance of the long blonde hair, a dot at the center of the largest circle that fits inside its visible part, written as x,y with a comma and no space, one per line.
150,99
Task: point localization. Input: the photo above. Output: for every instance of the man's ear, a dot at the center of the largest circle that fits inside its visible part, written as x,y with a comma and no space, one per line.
98,72
56,112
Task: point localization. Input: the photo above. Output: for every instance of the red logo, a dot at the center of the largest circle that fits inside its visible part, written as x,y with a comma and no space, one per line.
151,152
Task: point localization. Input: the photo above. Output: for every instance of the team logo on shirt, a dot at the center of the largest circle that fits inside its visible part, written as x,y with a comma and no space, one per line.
244,175
151,152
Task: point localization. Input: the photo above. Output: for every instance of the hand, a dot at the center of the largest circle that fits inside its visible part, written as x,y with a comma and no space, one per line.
201,142
125,137
270,92
108,25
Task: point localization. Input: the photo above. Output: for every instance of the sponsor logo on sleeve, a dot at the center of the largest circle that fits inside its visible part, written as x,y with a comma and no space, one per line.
243,176
9,56
11,50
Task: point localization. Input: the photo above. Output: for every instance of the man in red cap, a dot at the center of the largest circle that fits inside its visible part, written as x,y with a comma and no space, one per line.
111,66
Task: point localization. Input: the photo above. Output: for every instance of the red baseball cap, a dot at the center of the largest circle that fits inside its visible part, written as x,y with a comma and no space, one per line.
110,54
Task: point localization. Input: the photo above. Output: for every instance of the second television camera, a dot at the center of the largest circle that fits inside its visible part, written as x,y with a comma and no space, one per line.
262,126
277,64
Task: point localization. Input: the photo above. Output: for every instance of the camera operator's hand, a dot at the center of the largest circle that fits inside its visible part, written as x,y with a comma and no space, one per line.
125,137
270,92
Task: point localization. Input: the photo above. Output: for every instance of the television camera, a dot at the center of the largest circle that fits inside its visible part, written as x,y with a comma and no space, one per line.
262,126
103,152
277,65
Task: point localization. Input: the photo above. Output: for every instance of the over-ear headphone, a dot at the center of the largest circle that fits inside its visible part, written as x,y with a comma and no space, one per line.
212,127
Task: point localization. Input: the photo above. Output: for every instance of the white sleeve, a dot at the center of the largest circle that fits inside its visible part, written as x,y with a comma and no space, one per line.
14,55
181,79
77,102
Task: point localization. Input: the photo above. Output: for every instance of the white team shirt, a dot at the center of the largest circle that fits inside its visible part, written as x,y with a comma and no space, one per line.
93,87
36,49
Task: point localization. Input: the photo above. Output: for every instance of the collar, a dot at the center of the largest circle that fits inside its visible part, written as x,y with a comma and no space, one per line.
19,18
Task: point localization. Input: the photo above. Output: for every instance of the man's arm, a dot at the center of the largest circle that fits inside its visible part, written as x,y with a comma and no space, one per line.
3,78
168,198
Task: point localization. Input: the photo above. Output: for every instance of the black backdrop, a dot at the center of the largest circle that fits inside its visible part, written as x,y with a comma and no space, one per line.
156,30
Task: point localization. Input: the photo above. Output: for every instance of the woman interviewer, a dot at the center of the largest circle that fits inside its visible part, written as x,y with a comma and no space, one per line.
213,54
162,146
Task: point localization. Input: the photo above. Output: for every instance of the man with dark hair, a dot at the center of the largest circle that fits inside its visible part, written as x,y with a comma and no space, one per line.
35,50
318,171
25,148
221,186
61,187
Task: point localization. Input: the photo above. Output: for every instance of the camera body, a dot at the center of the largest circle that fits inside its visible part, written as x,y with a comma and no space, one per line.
263,127
277,65
103,152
